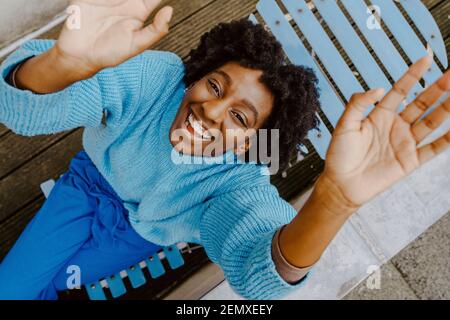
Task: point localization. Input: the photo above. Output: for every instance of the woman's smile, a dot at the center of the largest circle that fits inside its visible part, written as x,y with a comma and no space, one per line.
196,127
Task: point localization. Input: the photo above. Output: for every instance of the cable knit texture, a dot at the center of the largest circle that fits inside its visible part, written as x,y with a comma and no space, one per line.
231,209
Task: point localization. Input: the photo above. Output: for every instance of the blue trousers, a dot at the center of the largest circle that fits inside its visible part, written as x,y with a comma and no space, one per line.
83,223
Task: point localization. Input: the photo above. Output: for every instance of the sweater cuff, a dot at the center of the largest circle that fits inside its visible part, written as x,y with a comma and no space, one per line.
266,280
289,272
28,113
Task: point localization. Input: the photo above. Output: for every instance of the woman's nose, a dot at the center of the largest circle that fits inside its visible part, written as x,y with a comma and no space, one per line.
215,111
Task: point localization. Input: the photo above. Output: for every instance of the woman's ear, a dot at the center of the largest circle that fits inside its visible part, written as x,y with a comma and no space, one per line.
190,86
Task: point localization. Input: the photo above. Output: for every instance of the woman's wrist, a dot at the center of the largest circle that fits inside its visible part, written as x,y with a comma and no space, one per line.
306,237
50,72
331,198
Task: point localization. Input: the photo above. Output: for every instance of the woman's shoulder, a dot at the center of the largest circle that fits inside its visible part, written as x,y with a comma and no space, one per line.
250,176
166,58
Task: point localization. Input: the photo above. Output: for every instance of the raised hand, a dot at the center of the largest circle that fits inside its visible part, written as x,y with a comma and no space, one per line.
111,31
369,154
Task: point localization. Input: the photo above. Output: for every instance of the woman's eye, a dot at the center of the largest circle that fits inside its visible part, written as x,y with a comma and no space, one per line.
215,87
239,117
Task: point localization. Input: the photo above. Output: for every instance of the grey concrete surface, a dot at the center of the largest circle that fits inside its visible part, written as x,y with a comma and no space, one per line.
392,287
419,271
33,14
425,263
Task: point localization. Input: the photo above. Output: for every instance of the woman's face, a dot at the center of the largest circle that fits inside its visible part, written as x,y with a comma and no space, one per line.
220,111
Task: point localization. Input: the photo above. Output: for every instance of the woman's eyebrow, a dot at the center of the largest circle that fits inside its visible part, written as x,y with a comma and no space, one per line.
226,76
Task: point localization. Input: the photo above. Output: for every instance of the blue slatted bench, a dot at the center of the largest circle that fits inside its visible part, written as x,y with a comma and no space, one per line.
333,68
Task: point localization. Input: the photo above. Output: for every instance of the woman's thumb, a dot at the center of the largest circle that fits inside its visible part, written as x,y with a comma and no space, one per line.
151,34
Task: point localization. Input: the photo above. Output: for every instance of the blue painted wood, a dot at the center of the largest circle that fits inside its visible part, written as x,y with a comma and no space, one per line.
405,36
408,40
173,256
324,48
95,291
381,44
116,285
427,26
353,45
332,106
136,276
155,266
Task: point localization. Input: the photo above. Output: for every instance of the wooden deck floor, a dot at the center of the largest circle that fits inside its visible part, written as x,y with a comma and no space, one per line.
26,162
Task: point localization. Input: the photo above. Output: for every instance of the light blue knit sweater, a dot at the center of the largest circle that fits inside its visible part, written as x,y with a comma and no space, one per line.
230,209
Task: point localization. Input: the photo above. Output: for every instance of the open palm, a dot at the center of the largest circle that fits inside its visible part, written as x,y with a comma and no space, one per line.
369,154
111,31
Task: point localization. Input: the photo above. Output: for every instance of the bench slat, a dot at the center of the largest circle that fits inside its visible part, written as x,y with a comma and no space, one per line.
380,43
427,26
353,45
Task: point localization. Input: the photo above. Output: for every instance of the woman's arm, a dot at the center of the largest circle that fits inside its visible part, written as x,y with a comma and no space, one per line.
88,72
306,237
49,72
110,33
366,156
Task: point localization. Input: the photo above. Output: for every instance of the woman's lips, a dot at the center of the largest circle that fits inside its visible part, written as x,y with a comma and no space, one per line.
195,127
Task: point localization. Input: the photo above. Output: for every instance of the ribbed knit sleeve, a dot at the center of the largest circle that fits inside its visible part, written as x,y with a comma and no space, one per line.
237,230
114,93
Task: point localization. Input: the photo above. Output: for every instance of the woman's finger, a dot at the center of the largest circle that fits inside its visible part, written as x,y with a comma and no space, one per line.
426,99
354,111
401,88
432,121
150,5
151,34
434,148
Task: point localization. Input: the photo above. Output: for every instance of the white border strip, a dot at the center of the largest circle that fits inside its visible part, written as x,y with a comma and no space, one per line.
60,18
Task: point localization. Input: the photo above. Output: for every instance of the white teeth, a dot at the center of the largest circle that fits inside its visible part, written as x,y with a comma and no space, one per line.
198,128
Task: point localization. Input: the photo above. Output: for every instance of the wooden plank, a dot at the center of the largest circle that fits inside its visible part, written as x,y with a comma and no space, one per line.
11,228
18,188
185,36
16,150
182,10
431,3
3,130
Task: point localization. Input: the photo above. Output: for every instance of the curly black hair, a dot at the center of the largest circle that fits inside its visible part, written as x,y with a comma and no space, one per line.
296,97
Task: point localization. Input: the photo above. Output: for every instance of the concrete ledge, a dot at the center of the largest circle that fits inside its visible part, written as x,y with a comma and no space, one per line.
33,15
